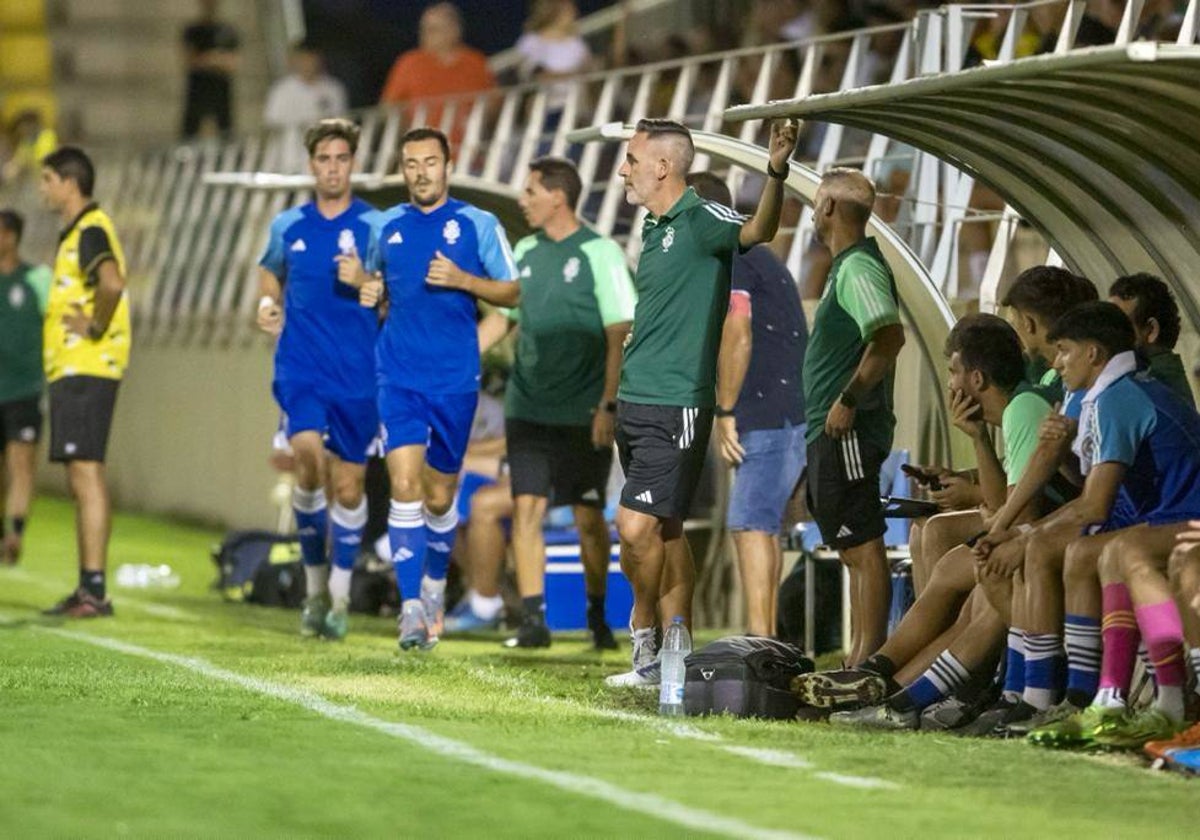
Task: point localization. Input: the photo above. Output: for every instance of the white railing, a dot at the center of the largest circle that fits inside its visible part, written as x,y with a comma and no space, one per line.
192,241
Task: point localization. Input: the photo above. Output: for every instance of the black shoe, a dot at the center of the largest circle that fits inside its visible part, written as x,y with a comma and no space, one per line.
530,635
81,604
602,634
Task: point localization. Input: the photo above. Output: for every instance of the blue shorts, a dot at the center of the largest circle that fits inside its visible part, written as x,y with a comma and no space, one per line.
348,426
765,479
440,422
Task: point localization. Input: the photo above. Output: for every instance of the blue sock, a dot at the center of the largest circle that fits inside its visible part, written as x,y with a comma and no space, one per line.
346,532
312,524
406,533
1014,665
1082,637
1043,669
440,530
945,676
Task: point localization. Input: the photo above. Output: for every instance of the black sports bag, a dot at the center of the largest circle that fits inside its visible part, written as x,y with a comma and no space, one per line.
745,676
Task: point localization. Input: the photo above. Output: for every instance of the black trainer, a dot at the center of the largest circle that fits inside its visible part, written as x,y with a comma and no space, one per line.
530,635
602,634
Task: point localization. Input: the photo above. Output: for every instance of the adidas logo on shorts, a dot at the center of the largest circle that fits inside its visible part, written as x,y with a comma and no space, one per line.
645,496
844,532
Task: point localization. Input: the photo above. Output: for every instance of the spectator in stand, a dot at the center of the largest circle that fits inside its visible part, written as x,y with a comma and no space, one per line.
441,66
1151,307
32,141
304,96
760,411
552,50
211,51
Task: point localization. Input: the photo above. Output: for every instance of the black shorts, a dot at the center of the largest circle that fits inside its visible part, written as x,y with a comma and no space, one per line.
21,420
843,490
662,449
557,462
81,412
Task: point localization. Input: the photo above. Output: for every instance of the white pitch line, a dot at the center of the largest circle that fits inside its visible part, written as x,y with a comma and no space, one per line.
863,782
776,758
649,804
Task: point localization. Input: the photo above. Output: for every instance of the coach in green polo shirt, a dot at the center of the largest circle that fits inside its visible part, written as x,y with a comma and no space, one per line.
576,304
23,292
668,380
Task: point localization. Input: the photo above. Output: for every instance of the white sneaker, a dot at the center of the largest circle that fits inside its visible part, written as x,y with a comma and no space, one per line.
414,630
646,671
648,676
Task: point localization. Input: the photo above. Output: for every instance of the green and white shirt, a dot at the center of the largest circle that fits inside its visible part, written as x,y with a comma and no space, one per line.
570,291
23,295
682,283
860,297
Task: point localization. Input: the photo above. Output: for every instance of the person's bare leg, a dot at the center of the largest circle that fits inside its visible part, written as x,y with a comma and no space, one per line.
19,466
930,615
920,571
758,564
921,661
529,544
595,548
678,582
869,560
93,512
486,542
1184,573
642,558
943,532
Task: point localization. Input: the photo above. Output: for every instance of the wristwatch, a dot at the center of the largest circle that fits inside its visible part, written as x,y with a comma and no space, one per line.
610,406
847,399
779,175
94,331
722,412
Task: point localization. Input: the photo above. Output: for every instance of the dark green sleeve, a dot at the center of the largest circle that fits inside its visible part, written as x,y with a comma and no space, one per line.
94,249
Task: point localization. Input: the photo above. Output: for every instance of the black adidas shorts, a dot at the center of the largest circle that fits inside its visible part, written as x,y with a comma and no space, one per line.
557,462
843,490
81,412
20,421
662,449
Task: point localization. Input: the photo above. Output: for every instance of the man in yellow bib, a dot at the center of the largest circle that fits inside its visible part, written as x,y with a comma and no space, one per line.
86,347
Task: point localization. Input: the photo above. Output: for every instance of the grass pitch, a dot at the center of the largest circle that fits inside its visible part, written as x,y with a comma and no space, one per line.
185,716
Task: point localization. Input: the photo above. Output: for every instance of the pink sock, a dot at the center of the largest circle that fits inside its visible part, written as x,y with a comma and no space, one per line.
1162,629
1119,631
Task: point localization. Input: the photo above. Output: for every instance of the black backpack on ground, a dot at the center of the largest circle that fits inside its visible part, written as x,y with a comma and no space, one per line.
260,567
746,676
373,587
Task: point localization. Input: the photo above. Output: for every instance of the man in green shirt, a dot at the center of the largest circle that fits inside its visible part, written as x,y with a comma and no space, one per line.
1151,307
577,301
848,373
23,292
668,379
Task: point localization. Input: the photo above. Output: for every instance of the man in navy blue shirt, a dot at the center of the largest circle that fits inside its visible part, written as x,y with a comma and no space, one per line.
324,368
760,411
437,256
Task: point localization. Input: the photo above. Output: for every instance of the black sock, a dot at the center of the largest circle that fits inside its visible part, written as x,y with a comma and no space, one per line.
596,606
878,664
1078,698
535,609
901,702
18,525
92,583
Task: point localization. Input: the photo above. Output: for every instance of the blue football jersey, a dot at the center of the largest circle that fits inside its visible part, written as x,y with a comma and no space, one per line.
1139,422
429,343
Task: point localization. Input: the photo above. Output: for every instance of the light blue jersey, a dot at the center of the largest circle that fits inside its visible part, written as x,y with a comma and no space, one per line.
429,344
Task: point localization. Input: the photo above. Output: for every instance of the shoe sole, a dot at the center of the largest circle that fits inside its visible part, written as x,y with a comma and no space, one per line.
821,692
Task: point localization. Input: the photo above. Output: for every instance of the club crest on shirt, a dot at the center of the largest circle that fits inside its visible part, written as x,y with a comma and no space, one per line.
451,232
16,296
346,241
668,239
571,269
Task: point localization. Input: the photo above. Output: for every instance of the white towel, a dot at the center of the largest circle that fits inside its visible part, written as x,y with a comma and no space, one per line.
1085,439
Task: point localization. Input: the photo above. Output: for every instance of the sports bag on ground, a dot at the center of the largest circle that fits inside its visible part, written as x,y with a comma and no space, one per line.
746,676
260,567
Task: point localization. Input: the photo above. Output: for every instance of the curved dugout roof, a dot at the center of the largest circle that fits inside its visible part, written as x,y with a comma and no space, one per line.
921,300
1096,148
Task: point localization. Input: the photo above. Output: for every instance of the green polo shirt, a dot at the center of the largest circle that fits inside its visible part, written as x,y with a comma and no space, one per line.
23,295
682,284
1167,368
570,291
860,297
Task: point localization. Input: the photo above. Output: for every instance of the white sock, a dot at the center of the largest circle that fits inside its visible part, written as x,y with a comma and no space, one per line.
339,587
485,607
1109,698
316,579
433,587
1169,701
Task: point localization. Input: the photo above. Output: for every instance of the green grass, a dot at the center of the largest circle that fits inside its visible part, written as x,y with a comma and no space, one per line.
98,742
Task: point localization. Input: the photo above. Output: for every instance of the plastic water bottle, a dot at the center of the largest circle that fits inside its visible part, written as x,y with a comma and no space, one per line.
144,576
677,644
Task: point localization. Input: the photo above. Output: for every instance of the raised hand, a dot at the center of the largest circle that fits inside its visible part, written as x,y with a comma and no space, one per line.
784,134
444,273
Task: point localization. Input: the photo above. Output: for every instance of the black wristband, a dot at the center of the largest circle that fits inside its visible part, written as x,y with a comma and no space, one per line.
610,406
779,176
722,412
847,399
94,331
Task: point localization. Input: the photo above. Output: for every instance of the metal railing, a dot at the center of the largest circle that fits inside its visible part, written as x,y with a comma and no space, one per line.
192,239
